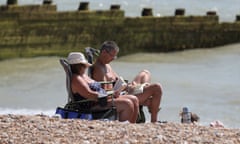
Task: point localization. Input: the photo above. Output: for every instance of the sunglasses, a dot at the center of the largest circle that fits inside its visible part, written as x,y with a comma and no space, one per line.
112,55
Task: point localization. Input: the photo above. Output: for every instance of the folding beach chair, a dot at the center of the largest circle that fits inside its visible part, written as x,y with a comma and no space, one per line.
90,54
72,110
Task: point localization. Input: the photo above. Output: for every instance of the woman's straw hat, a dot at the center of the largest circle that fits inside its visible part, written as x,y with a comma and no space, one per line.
77,58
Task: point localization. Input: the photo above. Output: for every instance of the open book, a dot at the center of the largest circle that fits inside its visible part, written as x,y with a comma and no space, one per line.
136,89
120,85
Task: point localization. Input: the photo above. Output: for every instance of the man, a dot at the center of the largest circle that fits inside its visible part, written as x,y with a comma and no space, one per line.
147,94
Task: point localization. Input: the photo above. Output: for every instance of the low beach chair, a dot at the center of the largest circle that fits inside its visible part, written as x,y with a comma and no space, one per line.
91,53
71,109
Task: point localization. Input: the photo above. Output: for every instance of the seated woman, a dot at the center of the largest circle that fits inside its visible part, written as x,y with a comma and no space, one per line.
83,87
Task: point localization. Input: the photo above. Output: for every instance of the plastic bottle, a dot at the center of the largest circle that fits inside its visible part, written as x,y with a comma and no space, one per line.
186,115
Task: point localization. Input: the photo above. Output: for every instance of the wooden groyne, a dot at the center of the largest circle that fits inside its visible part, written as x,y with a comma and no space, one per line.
35,30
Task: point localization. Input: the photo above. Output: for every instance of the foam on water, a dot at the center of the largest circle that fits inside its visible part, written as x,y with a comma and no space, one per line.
5,111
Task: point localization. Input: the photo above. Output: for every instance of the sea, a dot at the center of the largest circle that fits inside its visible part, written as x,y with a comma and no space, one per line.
227,10
206,81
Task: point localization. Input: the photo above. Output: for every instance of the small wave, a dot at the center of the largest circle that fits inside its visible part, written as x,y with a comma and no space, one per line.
4,111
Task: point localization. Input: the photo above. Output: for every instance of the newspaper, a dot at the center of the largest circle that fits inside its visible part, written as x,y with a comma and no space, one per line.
120,85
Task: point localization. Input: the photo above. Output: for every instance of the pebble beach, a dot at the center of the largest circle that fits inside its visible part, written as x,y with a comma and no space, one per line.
22,129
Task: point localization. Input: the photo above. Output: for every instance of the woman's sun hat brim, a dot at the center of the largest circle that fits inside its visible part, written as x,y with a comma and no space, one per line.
77,58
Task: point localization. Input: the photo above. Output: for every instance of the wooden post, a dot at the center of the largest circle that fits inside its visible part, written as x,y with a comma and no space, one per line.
47,2
238,18
83,6
12,2
115,7
147,12
180,12
211,13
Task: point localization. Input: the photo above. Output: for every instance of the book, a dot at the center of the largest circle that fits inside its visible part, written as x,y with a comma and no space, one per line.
120,85
136,89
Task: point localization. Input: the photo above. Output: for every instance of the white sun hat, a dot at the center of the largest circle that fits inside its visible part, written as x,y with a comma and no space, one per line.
77,58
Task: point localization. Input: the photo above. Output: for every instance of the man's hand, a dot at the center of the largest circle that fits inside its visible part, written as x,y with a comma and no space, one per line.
116,94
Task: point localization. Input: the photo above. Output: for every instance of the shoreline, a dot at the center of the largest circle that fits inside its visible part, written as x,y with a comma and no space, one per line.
45,129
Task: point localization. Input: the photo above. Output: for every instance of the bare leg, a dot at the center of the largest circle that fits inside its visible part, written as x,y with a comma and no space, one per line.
135,101
151,95
125,109
153,91
143,77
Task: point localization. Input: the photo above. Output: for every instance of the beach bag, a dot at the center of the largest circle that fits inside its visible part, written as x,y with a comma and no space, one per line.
109,114
71,114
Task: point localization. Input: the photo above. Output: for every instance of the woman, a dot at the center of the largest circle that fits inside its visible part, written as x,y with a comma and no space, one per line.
83,87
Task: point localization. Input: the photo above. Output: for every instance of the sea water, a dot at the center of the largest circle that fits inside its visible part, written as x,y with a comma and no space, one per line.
204,80
227,10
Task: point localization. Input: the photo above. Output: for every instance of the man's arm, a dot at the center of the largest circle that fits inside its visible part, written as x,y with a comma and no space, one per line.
114,74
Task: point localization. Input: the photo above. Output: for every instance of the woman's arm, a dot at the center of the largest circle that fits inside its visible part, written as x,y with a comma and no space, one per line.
80,86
